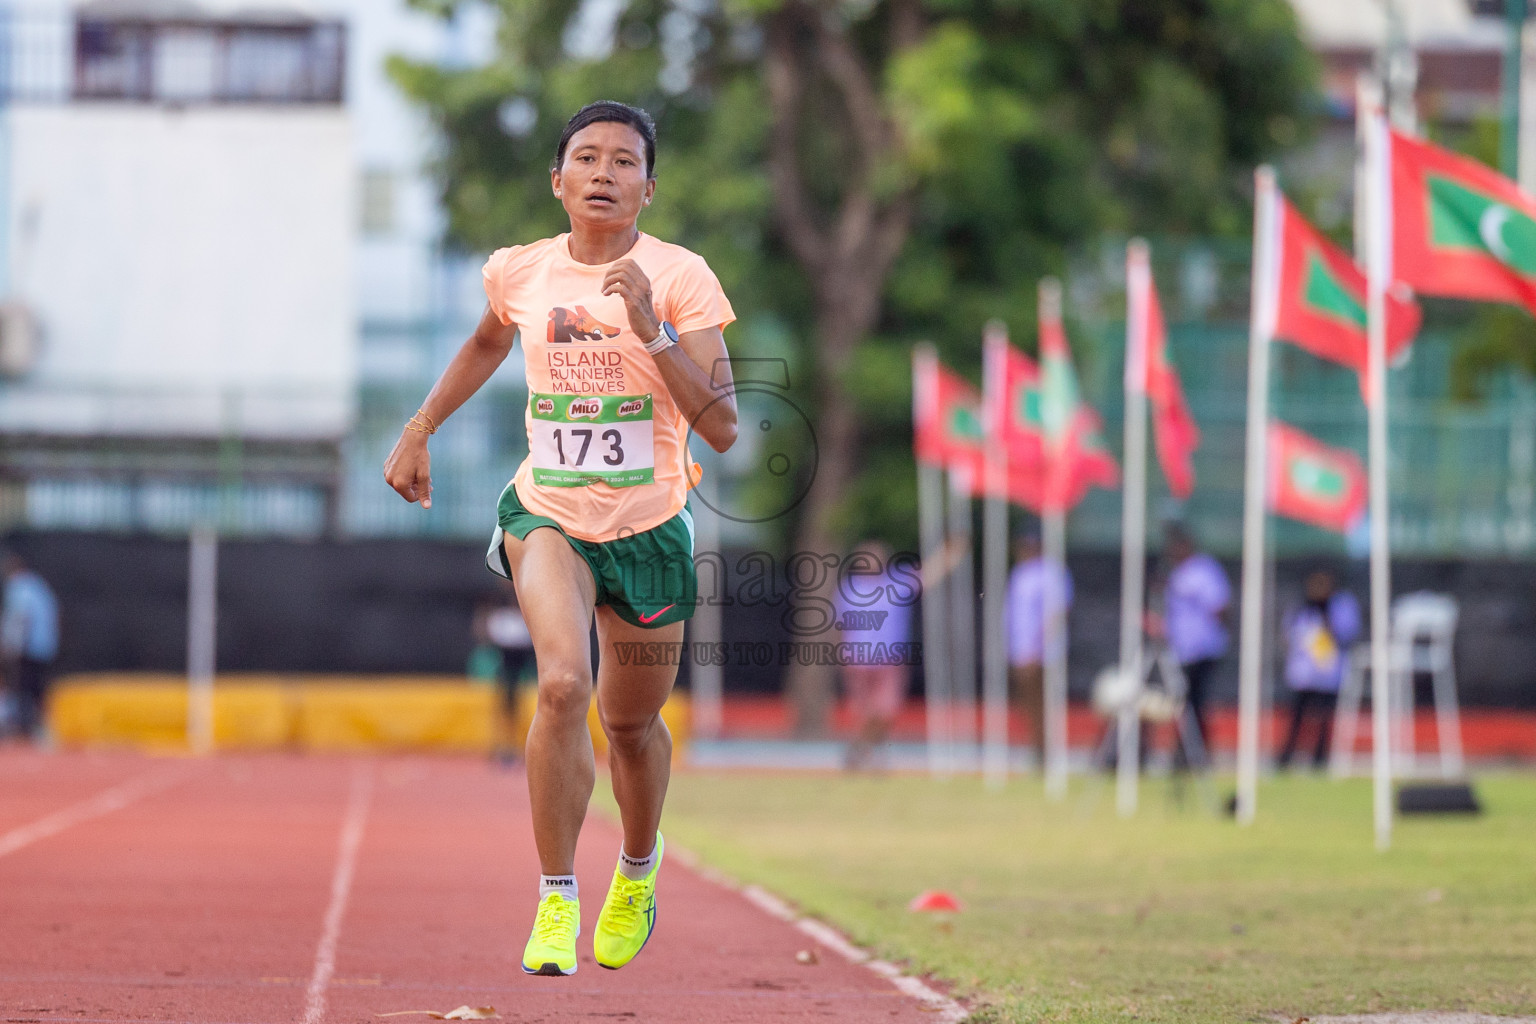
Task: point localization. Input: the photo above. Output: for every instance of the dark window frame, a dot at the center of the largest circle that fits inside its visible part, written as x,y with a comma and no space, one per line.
98,41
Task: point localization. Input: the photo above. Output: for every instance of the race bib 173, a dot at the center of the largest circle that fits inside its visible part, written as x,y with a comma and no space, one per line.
575,441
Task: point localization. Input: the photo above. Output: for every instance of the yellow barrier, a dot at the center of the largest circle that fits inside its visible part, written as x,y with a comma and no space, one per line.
320,713
399,717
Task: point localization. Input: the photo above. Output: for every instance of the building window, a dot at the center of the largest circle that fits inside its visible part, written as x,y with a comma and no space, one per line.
189,60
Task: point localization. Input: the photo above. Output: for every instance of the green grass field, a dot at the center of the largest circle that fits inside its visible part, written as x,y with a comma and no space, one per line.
1071,914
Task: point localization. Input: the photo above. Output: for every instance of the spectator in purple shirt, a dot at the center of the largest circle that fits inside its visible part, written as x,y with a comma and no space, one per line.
1038,593
1196,599
1318,635
874,614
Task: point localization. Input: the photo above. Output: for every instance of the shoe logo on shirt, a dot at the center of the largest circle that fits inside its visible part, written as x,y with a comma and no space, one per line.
566,326
646,620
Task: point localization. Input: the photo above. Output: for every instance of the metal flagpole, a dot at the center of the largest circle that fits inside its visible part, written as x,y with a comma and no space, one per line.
994,559
1378,270
1054,548
1261,318
962,620
202,633
1133,527
930,525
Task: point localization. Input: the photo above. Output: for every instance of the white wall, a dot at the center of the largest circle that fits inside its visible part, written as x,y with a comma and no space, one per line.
396,270
177,256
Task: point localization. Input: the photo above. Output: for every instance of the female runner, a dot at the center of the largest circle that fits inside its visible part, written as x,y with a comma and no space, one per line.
622,337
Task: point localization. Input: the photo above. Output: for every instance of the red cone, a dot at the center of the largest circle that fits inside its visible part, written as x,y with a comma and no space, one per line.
935,900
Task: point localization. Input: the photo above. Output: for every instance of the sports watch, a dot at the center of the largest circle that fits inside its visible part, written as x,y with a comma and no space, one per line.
665,339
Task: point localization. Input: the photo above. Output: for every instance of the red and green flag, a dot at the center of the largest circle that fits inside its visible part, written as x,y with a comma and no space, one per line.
946,416
1015,419
1460,229
1076,458
1320,294
1149,371
950,432
1314,482
1016,415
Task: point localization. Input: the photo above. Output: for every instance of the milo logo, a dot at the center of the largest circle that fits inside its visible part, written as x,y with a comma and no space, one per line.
544,406
584,409
634,407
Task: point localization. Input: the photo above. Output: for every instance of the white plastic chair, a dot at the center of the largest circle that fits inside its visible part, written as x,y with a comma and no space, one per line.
1422,640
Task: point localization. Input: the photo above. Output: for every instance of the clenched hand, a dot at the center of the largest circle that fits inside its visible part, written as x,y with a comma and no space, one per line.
626,279
409,468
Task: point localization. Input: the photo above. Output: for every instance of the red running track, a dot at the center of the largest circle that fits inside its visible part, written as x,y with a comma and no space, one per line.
321,890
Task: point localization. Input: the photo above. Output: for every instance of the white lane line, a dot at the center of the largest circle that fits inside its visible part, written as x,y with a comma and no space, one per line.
762,899
105,802
341,887
946,1010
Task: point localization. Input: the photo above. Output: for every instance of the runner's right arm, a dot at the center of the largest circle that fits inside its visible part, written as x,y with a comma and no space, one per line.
408,468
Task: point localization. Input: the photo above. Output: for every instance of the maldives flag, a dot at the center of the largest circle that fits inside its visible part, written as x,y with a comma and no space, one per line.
1013,402
1147,370
1075,455
946,415
1313,482
1458,228
950,432
1319,296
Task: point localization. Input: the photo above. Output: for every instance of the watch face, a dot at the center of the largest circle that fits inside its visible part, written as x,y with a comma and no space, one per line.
669,330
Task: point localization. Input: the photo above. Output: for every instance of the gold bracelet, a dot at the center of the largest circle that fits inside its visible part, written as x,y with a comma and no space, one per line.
411,425
431,424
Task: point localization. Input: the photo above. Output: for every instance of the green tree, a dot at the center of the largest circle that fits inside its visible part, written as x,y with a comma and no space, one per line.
865,173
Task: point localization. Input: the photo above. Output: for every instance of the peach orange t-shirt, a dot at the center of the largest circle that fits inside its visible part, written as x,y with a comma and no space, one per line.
607,446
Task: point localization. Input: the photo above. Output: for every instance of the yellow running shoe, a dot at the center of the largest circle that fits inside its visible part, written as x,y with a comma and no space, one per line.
551,949
628,917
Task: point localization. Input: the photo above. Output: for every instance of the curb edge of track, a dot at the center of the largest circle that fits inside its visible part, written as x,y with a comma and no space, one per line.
945,1009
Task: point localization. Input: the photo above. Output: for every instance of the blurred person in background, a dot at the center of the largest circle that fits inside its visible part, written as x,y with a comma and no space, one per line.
507,631
29,642
1038,594
625,357
1318,635
485,664
1196,600
506,628
870,611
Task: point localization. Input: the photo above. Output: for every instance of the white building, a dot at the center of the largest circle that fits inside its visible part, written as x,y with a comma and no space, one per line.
206,209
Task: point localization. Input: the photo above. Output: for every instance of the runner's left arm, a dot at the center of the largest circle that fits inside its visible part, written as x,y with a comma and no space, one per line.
409,466
697,369
705,396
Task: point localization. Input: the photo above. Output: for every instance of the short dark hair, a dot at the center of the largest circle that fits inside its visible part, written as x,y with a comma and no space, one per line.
614,111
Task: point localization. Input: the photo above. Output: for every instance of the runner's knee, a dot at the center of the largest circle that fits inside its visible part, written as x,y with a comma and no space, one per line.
628,735
564,691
